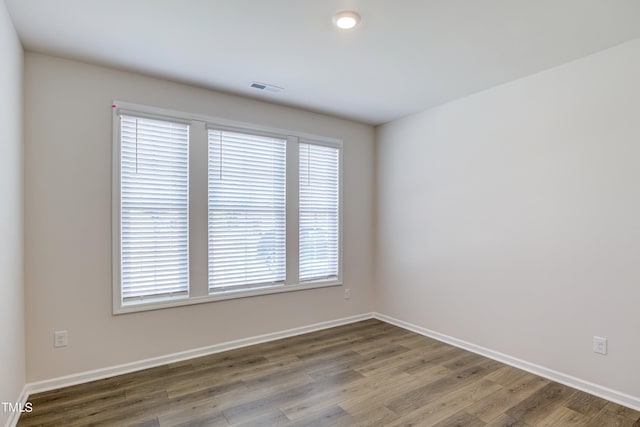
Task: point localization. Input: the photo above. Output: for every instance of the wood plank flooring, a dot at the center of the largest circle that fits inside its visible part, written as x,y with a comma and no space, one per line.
368,373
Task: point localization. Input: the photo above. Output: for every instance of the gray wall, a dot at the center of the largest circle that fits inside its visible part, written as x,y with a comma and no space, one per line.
511,218
68,223
12,345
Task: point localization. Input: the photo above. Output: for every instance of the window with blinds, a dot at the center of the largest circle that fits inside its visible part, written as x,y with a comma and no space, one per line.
246,220
154,209
319,214
206,209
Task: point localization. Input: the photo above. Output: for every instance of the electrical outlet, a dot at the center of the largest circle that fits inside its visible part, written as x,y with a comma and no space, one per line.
60,339
599,345
347,293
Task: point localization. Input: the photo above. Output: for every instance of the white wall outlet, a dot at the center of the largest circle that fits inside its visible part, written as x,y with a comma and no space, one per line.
599,345
347,293
60,339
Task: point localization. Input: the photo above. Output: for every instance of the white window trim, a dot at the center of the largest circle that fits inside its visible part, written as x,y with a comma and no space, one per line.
198,286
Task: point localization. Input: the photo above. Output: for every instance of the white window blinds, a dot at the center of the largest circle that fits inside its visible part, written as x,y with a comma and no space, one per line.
154,209
246,211
319,212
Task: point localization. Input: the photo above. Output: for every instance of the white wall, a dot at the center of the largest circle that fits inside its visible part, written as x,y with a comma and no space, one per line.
511,218
12,346
67,223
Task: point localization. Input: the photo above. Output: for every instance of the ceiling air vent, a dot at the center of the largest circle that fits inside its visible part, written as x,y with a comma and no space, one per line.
266,87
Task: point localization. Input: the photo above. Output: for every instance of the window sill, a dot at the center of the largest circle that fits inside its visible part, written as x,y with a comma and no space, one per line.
222,296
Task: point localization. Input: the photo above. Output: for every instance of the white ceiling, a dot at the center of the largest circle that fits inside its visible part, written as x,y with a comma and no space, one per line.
405,56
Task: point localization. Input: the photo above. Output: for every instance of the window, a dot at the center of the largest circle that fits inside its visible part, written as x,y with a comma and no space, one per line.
247,221
207,209
154,209
319,212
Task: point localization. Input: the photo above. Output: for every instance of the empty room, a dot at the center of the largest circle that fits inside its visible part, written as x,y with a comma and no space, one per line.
320,213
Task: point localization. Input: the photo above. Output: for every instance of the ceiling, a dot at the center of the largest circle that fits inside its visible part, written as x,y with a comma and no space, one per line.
405,56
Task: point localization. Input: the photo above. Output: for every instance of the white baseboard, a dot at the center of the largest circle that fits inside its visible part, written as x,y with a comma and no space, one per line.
13,416
568,380
97,374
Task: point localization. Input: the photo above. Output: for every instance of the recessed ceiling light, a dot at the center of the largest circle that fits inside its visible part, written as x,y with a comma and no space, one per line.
346,20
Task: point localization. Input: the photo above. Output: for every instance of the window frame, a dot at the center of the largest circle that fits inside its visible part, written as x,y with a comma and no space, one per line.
198,289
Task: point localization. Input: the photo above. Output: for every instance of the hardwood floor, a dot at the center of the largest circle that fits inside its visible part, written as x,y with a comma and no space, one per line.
363,374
